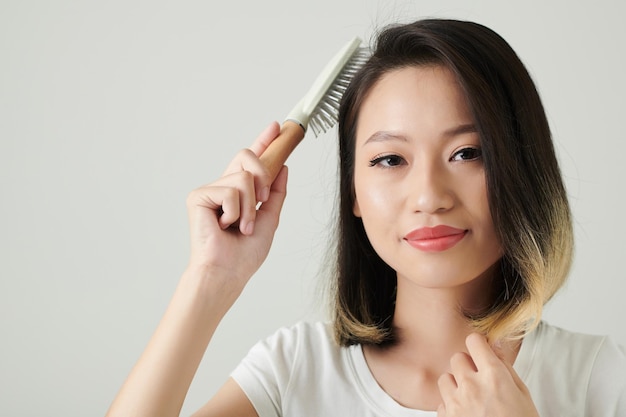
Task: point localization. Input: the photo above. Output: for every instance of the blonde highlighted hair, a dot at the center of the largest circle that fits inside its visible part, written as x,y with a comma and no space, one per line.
527,197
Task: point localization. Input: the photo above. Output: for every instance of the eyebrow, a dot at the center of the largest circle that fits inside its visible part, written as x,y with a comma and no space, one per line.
461,130
382,136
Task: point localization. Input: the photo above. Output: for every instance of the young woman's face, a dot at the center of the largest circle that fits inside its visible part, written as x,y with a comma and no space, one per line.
419,180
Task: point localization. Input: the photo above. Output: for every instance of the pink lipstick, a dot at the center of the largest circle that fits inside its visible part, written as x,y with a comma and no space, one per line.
435,239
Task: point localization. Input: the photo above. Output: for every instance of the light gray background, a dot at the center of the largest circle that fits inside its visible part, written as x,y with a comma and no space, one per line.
111,112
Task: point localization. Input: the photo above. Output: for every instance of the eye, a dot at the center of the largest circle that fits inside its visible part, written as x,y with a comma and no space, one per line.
387,161
467,154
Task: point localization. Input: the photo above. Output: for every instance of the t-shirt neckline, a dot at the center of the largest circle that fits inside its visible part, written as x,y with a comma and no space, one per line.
383,404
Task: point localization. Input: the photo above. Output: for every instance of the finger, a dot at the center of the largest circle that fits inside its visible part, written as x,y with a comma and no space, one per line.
269,212
264,139
241,206
447,386
235,198
516,378
462,366
246,160
230,206
222,201
481,353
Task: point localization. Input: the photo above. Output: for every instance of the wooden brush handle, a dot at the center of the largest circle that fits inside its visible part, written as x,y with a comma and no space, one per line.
276,154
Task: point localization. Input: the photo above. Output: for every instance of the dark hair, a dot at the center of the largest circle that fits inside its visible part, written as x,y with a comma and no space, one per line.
526,194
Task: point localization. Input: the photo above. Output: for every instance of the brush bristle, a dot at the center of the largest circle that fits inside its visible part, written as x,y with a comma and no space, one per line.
326,114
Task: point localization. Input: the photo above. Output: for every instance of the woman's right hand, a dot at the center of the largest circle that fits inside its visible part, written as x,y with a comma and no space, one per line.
230,236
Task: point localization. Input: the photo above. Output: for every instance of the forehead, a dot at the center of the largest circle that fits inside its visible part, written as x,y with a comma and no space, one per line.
414,99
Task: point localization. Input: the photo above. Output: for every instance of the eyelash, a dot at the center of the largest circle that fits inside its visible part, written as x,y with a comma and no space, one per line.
397,160
380,158
478,153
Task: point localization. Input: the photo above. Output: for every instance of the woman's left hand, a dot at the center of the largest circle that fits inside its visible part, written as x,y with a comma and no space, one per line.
481,384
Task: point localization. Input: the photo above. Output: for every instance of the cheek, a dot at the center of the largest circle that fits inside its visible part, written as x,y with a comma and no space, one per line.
356,209
370,200
483,214
378,215
360,190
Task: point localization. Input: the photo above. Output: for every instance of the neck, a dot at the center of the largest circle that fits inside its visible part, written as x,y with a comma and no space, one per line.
430,328
430,322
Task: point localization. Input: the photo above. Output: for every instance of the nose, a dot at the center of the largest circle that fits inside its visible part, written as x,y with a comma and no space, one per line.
430,188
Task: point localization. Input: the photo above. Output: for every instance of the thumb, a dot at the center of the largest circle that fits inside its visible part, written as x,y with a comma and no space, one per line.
516,378
265,138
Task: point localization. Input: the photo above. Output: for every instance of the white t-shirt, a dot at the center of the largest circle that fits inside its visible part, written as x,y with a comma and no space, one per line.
301,372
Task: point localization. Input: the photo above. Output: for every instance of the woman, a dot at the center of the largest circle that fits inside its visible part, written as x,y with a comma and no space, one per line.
454,230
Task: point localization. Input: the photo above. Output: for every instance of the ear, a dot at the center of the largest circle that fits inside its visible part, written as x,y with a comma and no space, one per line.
356,210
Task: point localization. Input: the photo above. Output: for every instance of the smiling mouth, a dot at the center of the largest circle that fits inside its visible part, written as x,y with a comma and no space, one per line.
435,239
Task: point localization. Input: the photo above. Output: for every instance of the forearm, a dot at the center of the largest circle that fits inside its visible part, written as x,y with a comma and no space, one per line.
159,382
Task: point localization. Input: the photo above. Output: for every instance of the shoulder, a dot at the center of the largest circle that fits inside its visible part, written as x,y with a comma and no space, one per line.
550,335
303,330
288,347
568,345
577,352
310,346
607,382
276,374
573,369
290,340
554,347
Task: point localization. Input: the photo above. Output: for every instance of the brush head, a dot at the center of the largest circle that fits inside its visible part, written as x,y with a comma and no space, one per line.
319,108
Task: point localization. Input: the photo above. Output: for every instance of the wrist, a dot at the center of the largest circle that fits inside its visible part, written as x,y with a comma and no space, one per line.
211,287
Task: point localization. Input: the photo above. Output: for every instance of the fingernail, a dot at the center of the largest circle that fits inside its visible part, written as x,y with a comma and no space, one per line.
249,228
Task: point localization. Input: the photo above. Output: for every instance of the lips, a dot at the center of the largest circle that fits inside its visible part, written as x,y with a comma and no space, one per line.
435,239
